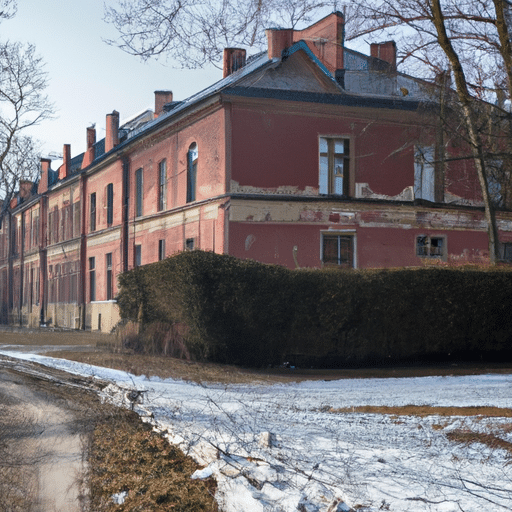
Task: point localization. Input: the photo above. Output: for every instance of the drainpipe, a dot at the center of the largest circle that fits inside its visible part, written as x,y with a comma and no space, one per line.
10,277
83,250
125,234
43,266
22,265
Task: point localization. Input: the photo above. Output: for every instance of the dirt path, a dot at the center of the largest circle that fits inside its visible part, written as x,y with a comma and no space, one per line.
43,429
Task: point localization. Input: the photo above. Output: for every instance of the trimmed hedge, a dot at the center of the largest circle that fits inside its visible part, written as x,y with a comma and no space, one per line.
244,312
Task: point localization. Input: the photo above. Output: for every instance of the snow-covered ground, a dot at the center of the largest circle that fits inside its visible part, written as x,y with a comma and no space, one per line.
278,448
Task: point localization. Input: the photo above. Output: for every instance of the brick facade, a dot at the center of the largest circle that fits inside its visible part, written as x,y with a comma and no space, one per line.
308,155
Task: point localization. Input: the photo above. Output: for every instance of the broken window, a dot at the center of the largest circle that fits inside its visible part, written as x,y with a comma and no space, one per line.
192,156
430,246
338,250
334,166
424,173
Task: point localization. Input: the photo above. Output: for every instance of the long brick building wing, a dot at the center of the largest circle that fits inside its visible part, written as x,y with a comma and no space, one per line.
306,155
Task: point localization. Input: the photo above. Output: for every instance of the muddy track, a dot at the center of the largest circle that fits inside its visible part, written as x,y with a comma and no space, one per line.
46,416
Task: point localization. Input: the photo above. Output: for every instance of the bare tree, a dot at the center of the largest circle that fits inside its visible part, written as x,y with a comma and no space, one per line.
194,33
23,104
471,39
21,163
7,9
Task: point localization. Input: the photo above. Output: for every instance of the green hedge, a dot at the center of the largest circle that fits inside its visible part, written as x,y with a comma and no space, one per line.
244,312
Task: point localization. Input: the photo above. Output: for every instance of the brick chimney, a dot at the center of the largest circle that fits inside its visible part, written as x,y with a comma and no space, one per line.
89,152
66,159
325,39
43,182
161,98
112,131
278,40
234,59
385,51
25,189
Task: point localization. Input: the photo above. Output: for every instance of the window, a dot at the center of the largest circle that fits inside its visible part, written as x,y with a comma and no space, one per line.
507,251
161,250
110,204
138,193
162,185
334,166
430,246
189,244
192,157
93,212
76,219
138,255
424,173
108,265
338,250
92,279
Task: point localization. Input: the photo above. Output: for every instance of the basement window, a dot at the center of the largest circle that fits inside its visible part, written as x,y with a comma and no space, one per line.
138,255
507,251
161,249
430,246
338,250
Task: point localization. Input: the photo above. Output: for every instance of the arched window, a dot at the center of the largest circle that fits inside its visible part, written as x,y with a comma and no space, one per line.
192,156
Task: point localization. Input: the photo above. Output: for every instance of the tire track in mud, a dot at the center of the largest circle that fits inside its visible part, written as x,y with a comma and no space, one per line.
45,415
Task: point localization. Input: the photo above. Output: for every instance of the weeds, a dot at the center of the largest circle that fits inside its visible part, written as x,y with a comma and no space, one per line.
127,457
467,437
427,410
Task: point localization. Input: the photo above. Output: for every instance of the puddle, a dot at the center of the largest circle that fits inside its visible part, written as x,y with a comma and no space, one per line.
46,439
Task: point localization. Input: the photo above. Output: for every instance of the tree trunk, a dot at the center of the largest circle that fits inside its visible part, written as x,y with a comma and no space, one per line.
465,100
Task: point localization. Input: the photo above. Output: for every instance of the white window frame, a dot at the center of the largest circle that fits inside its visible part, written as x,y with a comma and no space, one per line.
431,250
333,150
424,173
347,233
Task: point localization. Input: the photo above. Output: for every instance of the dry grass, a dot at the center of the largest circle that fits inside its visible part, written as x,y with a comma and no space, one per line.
468,437
104,350
127,456
427,410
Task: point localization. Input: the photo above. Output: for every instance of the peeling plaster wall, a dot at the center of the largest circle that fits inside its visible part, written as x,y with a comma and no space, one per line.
269,231
275,150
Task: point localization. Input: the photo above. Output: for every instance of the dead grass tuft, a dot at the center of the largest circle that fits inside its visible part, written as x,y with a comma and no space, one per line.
427,410
127,456
467,437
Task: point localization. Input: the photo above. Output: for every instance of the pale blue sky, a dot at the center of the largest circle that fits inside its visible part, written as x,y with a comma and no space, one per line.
88,78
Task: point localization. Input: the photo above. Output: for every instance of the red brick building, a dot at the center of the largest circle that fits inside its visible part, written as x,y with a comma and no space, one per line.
309,154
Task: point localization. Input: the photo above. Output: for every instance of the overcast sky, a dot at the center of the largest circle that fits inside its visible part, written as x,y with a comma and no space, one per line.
87,77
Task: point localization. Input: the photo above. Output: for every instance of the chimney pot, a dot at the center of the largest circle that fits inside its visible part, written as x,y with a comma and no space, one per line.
161,98
91,137
385,51
66,158
234,59
90,151
112,131
43,182
278,40
25,188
